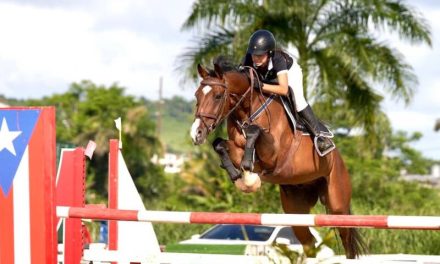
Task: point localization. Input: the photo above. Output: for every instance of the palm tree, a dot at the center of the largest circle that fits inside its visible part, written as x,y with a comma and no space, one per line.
338,44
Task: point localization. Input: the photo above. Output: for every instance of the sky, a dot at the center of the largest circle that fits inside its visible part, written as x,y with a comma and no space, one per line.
46,45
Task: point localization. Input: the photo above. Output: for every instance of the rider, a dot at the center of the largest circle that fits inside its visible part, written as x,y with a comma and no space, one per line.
277,70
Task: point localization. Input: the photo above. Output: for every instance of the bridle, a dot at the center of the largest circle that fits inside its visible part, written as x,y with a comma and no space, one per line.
217,117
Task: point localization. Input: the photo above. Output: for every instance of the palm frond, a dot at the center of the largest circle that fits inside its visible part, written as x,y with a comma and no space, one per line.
399,17
391,70
339,79
377,60
206,48
206,13
385,16
437,125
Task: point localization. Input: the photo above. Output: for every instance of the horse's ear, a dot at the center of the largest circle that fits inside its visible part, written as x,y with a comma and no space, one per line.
202,71
218,71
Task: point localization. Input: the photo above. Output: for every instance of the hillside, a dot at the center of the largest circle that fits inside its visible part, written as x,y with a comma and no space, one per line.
177,117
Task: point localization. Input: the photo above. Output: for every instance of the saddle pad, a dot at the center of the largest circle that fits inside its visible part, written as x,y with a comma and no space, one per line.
296,124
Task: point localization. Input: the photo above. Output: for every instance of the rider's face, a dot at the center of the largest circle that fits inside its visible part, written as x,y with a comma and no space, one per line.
260,60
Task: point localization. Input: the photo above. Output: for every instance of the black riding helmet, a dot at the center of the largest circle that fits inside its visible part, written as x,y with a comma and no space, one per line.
261,42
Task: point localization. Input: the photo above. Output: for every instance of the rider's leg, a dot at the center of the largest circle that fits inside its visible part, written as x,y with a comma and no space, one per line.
295,77
322,135
252,132
221,148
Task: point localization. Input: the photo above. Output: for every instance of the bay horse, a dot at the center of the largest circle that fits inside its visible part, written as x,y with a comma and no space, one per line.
281,154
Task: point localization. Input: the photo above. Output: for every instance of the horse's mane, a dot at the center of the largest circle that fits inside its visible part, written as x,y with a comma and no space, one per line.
226,65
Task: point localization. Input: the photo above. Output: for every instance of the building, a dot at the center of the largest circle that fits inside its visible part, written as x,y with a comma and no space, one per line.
171,162
432,179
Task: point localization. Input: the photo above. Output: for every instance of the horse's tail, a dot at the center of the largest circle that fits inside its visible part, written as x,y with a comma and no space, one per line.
356,244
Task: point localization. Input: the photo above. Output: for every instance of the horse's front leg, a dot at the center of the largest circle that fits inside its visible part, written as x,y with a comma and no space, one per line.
251,180
222,148
252,132
230,156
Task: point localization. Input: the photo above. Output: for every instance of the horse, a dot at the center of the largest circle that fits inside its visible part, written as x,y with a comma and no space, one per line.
279,154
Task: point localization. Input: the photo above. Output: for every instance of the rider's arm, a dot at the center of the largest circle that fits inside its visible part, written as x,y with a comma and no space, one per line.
282,88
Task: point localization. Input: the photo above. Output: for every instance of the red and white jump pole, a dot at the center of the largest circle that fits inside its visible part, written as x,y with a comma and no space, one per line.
360,221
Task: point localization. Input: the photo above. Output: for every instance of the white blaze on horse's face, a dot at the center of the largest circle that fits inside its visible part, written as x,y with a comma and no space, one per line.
194,129
206,89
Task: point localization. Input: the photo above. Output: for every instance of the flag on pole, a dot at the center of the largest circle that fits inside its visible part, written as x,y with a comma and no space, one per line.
27,174
118,123
91,146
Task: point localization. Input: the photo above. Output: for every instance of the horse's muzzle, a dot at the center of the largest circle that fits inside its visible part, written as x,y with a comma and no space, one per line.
198,132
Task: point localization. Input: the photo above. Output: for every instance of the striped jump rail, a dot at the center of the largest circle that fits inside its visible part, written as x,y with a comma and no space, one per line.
360,221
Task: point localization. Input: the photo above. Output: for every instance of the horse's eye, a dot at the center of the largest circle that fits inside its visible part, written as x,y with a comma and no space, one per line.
218,96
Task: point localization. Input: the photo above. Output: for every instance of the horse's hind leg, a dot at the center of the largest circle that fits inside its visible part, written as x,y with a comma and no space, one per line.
221,147
336,198
299,200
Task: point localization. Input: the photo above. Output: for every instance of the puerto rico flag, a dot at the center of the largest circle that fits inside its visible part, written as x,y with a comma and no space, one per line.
27,185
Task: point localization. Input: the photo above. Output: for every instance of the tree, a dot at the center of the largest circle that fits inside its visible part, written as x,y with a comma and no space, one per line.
341,57
86,112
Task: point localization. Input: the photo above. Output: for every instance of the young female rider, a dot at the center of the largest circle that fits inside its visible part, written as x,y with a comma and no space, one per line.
277,70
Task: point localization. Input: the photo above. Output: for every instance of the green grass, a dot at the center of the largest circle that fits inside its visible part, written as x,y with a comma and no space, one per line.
175,134
206,249
177,117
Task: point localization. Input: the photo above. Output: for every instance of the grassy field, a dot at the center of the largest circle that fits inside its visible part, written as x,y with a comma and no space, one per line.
177,116
206,249
175,134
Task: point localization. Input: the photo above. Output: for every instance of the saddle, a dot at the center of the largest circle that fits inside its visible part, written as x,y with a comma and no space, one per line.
295,120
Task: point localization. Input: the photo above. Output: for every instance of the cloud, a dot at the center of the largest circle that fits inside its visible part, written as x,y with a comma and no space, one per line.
52,45
421,113
412,120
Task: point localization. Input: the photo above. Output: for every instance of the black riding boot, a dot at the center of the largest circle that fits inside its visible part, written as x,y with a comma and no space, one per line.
322,136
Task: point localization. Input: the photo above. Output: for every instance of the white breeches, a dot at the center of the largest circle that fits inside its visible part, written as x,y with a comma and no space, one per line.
295,77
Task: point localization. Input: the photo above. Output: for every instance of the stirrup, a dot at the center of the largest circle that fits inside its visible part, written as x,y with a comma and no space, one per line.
326,134
326,151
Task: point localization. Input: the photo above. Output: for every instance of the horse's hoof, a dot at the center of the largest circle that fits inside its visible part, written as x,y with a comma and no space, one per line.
240,184
251,179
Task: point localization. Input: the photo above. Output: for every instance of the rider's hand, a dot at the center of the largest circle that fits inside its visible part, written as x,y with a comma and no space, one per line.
258,84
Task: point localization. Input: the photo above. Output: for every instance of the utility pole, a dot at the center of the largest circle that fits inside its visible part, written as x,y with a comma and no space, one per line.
159,113
159,109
